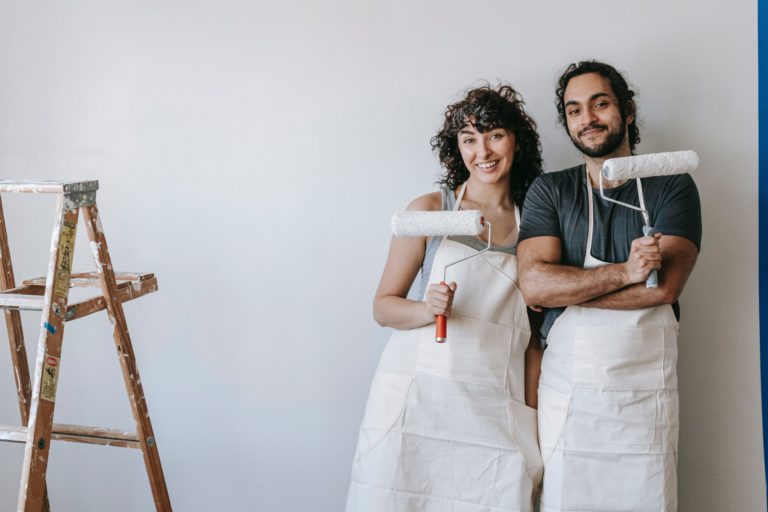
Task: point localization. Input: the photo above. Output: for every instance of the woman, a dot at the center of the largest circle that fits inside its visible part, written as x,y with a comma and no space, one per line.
446,426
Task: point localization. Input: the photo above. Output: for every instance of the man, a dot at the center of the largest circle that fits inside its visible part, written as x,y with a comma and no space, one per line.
608,406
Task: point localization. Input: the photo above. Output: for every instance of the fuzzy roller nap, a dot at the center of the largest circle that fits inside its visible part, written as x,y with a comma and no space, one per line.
646,166
465,222
453,223
655,164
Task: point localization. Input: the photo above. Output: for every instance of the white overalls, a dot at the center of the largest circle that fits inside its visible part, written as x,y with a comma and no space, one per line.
608,408
446,428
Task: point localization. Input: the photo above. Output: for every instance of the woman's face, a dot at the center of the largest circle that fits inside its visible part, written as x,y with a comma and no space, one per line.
488,156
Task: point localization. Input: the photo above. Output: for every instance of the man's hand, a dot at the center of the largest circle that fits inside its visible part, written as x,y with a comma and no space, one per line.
644,256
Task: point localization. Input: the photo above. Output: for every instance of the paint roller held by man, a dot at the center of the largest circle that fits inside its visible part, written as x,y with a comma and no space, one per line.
608,402
451,425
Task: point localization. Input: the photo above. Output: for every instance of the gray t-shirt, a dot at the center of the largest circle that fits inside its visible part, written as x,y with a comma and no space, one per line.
557,205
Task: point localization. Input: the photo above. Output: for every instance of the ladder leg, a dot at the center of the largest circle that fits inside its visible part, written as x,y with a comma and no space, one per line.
32,491
16,335
127,358
13,324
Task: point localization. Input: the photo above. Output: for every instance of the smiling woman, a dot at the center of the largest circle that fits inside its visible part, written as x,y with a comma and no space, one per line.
440,415
483,110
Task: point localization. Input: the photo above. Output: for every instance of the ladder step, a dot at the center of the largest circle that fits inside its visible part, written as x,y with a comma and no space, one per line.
48,186
125,291
27,290
29,297
76,434
87,279
21,301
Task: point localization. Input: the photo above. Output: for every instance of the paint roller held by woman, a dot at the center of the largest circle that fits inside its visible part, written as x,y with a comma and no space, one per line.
439,416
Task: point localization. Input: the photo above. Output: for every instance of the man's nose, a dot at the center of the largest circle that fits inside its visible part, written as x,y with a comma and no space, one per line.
587,116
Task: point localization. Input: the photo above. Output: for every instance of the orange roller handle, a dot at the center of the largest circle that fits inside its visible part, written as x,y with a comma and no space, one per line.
441,326
441,330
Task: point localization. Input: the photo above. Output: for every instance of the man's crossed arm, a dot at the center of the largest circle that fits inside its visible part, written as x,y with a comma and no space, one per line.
545,282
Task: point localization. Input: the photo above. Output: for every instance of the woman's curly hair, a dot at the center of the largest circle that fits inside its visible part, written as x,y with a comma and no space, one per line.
489,108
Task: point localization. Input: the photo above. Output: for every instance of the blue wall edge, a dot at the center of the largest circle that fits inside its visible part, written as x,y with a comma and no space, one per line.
762,71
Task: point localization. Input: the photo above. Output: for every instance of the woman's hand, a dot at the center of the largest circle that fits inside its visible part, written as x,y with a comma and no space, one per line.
439,298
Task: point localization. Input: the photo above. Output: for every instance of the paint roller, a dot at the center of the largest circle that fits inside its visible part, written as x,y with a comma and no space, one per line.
452,223
646,166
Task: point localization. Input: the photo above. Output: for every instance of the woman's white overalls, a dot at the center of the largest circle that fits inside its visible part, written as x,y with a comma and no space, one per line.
446,428
608,408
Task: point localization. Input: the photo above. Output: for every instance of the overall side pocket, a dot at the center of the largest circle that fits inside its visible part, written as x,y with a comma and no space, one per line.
387,398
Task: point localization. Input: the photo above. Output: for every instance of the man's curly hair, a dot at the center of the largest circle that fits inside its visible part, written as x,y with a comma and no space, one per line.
489,108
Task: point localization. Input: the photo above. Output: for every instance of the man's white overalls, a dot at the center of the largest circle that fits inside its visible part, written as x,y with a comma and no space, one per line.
608,408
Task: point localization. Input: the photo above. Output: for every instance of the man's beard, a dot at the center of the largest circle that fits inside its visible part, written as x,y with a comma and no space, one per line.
612,142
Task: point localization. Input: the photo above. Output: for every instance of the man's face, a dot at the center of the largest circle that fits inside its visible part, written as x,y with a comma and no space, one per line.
593,117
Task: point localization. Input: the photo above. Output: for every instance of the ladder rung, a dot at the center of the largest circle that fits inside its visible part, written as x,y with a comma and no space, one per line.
125,292
47,186
21,301
27,290
87,279
76,434
34,300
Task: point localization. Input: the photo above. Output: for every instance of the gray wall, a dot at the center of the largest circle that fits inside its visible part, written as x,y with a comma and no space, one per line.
251,154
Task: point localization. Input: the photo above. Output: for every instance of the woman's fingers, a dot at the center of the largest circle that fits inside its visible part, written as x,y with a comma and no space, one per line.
439,298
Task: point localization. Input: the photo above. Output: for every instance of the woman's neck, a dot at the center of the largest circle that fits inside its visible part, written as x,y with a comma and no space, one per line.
488,196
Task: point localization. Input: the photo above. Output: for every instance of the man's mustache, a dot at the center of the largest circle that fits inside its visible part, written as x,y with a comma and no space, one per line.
592,127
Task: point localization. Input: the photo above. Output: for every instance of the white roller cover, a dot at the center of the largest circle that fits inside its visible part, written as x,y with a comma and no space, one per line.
654,164
412,223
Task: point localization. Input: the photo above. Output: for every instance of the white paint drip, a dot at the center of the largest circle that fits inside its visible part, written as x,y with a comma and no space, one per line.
95,248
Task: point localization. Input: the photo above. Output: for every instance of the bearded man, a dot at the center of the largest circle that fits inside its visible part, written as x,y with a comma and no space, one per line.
608,402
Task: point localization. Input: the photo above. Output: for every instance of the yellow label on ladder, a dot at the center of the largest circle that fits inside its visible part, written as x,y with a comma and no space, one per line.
64,263
50,378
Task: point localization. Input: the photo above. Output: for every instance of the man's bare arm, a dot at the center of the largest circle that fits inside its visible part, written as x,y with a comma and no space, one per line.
679,256
545,282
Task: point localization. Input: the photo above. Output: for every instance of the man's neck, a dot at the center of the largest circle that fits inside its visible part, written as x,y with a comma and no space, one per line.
595,167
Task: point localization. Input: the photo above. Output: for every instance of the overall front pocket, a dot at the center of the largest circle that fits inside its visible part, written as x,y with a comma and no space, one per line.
619,357
476,351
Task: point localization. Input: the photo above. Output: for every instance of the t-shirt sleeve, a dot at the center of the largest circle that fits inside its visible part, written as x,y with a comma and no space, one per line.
539,215
680,210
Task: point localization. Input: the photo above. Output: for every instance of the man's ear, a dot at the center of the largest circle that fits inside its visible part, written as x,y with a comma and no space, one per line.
631,109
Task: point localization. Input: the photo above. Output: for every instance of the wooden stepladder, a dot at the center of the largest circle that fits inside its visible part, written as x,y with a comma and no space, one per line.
37,397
